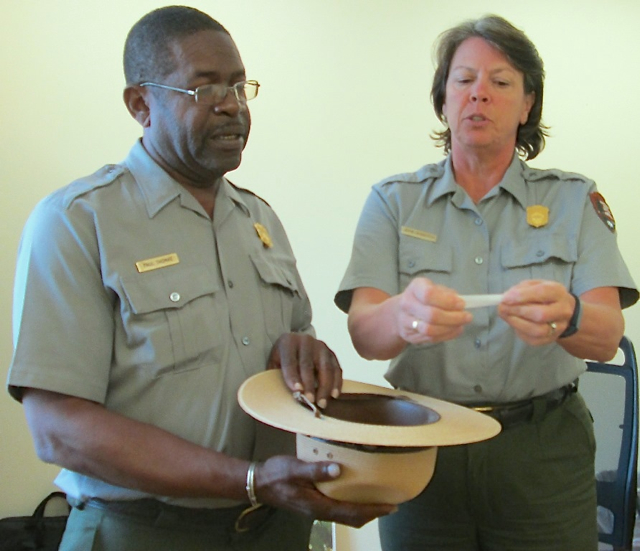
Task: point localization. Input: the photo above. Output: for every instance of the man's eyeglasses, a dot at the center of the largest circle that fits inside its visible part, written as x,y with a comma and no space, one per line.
214,94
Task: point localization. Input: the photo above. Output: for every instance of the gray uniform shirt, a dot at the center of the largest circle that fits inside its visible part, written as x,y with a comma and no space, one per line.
423,224
129,295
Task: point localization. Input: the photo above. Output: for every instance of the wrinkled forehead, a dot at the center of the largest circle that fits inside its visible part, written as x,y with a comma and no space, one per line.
212,53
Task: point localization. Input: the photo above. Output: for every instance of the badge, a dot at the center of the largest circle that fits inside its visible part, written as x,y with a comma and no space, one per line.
537,216
263,234
157,262
603,211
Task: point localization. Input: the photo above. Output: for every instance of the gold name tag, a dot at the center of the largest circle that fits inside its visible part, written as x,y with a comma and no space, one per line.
157,262
426,236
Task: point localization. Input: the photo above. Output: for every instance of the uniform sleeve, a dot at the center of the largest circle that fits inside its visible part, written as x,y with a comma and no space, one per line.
62,317
374,257
600,263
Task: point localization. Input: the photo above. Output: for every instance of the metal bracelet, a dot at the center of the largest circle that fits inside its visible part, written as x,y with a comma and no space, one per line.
251,484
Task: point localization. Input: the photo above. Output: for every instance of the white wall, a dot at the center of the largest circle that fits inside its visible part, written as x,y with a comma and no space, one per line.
344,103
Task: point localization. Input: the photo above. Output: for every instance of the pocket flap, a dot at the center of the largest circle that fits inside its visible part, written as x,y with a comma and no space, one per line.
168,289
274,272
539,250
416,258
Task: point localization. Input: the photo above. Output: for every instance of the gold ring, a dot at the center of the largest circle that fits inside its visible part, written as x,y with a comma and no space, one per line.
414,325
552,328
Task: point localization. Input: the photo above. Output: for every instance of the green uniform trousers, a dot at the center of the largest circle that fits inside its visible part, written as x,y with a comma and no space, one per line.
531,488
168,528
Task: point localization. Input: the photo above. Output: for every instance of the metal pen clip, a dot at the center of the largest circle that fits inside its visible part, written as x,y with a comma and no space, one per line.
300,397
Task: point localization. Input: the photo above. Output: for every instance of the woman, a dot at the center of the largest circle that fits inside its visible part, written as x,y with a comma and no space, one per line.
483,222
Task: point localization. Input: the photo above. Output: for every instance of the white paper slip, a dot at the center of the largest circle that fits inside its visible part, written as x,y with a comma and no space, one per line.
478,301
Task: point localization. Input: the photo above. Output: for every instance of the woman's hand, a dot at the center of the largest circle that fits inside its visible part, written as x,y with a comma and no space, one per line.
381,325
537,310
428,312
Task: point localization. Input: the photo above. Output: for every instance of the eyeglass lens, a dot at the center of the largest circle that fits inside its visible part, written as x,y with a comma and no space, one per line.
216,93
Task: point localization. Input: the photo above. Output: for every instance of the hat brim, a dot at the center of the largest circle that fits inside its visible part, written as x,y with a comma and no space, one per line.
266,398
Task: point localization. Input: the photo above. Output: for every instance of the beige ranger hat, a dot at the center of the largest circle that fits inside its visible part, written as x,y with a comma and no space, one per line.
385,440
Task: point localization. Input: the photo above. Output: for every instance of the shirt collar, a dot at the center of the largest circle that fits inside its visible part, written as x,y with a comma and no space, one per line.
228,199
227,189
512,182
159,189
444,185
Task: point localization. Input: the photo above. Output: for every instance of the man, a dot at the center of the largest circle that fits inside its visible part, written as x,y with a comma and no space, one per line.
145,295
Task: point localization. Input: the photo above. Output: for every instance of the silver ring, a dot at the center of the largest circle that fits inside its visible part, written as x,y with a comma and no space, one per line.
552,328
414,324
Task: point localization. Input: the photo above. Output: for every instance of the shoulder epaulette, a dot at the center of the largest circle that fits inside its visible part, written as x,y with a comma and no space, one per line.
245,190
537,174
102,177
427,172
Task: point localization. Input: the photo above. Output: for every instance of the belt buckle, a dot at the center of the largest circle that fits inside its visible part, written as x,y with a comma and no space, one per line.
247,520
483,409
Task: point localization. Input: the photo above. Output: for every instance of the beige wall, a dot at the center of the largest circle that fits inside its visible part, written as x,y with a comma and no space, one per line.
344,103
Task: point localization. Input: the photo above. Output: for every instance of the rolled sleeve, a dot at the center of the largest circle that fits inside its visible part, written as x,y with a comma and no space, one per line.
374,258
600,263
58,273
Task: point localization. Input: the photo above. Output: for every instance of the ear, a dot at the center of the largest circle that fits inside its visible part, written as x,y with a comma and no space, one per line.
136,102
529,100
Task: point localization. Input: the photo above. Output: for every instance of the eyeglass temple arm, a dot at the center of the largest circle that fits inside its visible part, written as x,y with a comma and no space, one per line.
190,92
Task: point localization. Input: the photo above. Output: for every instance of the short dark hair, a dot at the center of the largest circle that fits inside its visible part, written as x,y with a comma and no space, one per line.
520,52
147,49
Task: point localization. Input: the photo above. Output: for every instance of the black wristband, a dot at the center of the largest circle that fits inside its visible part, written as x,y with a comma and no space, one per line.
574,322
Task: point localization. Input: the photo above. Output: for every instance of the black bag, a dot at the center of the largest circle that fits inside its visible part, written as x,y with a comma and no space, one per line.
37,532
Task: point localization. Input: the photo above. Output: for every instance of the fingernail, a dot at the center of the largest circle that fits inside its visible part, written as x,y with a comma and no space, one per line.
310,396
333,470
322,403
335,393
298,386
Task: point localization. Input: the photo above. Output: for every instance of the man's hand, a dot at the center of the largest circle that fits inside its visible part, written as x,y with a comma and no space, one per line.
288,483
308,366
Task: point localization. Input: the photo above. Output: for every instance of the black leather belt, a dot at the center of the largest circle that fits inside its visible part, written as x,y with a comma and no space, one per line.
516,413
236,519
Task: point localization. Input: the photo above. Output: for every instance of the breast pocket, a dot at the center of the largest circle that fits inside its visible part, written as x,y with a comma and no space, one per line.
424,259
278,292
546,256
169,319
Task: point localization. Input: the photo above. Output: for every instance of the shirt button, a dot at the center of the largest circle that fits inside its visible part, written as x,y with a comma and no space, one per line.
478,221
174,297
477,343
411,263
230,284
477,389
245,341
478,260
540,254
